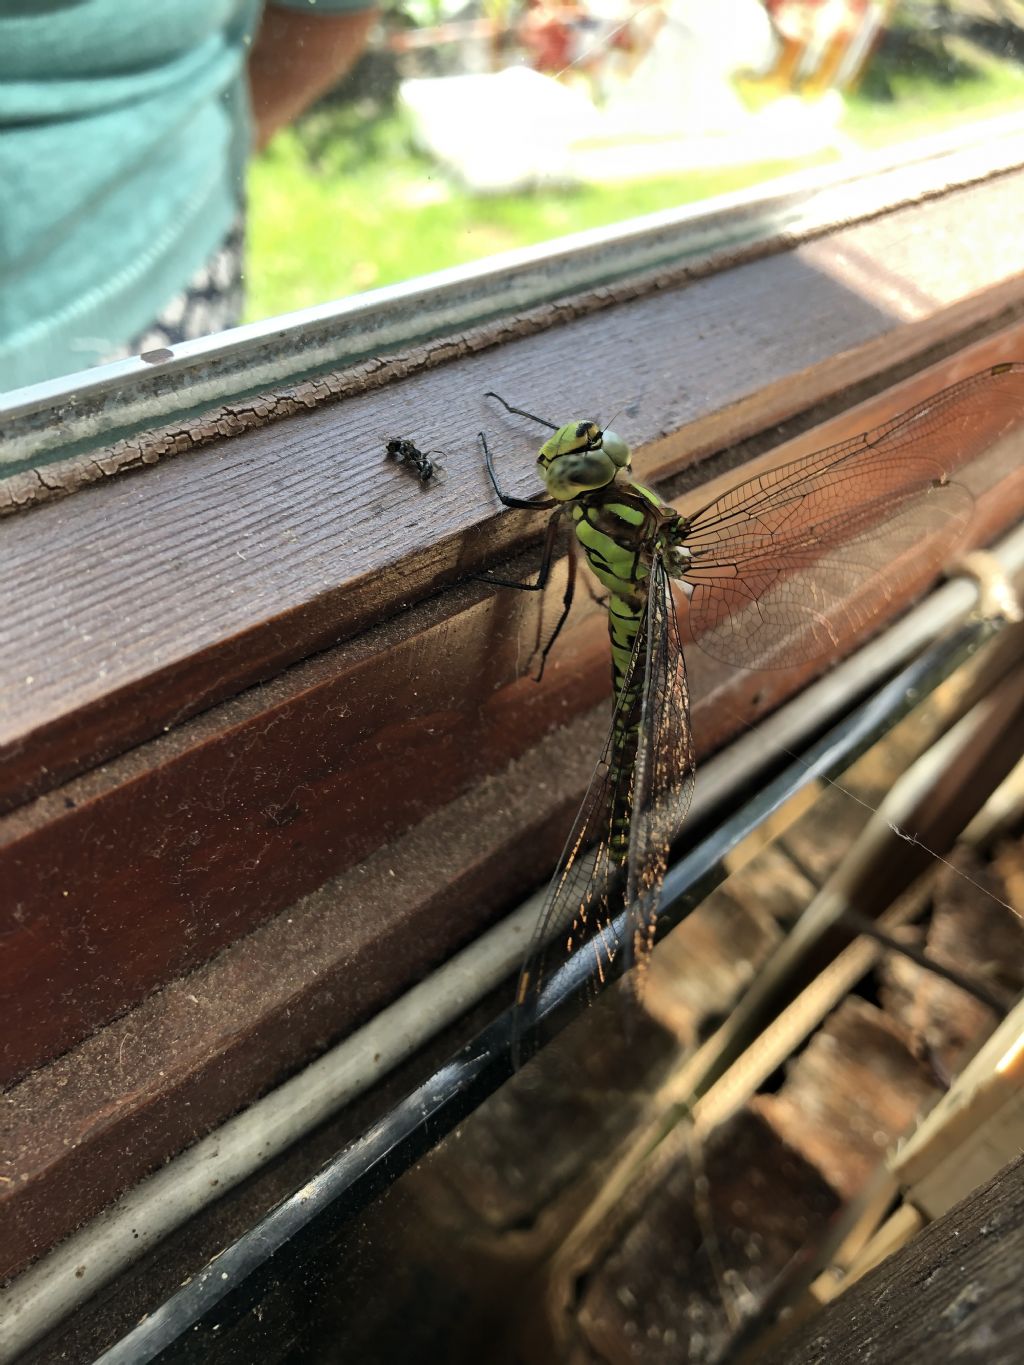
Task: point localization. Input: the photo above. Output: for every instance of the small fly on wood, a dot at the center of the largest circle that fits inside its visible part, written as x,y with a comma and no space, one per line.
405,452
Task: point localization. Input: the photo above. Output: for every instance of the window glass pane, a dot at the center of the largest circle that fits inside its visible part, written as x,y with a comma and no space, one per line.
230,161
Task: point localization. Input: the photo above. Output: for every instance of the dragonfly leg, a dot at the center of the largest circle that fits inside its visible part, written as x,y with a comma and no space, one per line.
567,596
521,412
506,498
600,599
543,573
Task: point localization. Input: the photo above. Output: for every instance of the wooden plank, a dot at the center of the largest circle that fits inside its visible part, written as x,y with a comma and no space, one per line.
954,1293
153,863
149,599
979,1124
702,1236
161,858
835,1078
77,1133
694,1249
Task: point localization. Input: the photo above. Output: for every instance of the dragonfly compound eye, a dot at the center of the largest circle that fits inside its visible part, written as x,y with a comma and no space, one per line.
576,460
616,449
579,471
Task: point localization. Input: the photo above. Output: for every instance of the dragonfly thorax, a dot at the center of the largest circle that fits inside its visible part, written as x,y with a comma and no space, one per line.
580,457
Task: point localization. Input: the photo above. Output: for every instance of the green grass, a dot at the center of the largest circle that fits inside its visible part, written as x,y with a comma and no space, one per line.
344,204
917,106
316,234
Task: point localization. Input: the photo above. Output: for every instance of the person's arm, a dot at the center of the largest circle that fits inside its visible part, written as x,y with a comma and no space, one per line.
296,57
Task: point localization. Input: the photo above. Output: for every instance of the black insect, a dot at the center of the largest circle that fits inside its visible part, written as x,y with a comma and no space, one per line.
405,452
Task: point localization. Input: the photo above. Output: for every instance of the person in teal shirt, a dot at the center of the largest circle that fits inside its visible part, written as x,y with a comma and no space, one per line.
125,129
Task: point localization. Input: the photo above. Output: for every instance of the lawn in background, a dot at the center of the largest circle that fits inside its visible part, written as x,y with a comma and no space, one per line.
315,236
344,203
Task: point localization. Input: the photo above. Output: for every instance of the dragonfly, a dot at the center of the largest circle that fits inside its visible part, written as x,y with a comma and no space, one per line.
774,571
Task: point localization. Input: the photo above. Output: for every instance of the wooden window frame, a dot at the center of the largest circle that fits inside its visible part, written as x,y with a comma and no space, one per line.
209,787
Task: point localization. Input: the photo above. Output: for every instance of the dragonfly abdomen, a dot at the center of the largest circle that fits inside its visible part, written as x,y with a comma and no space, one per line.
613,527
624,623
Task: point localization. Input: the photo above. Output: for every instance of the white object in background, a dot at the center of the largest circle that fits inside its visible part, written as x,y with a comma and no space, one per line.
507,131
683,85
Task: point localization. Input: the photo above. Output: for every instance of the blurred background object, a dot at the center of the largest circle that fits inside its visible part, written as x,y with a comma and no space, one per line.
125,137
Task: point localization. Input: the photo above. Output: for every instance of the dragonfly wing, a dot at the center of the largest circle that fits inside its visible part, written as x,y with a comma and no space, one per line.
664,772
780,561
782,606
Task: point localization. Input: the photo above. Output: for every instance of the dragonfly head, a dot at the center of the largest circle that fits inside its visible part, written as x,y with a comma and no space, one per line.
580,457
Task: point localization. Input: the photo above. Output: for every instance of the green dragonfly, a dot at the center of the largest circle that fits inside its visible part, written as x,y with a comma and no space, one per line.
774,569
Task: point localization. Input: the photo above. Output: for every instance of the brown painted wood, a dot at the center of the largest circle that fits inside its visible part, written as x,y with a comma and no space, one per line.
149,599
75,1133
953,1293
137,872
154,862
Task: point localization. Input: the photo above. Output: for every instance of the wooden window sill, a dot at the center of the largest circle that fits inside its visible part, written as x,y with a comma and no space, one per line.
256,674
